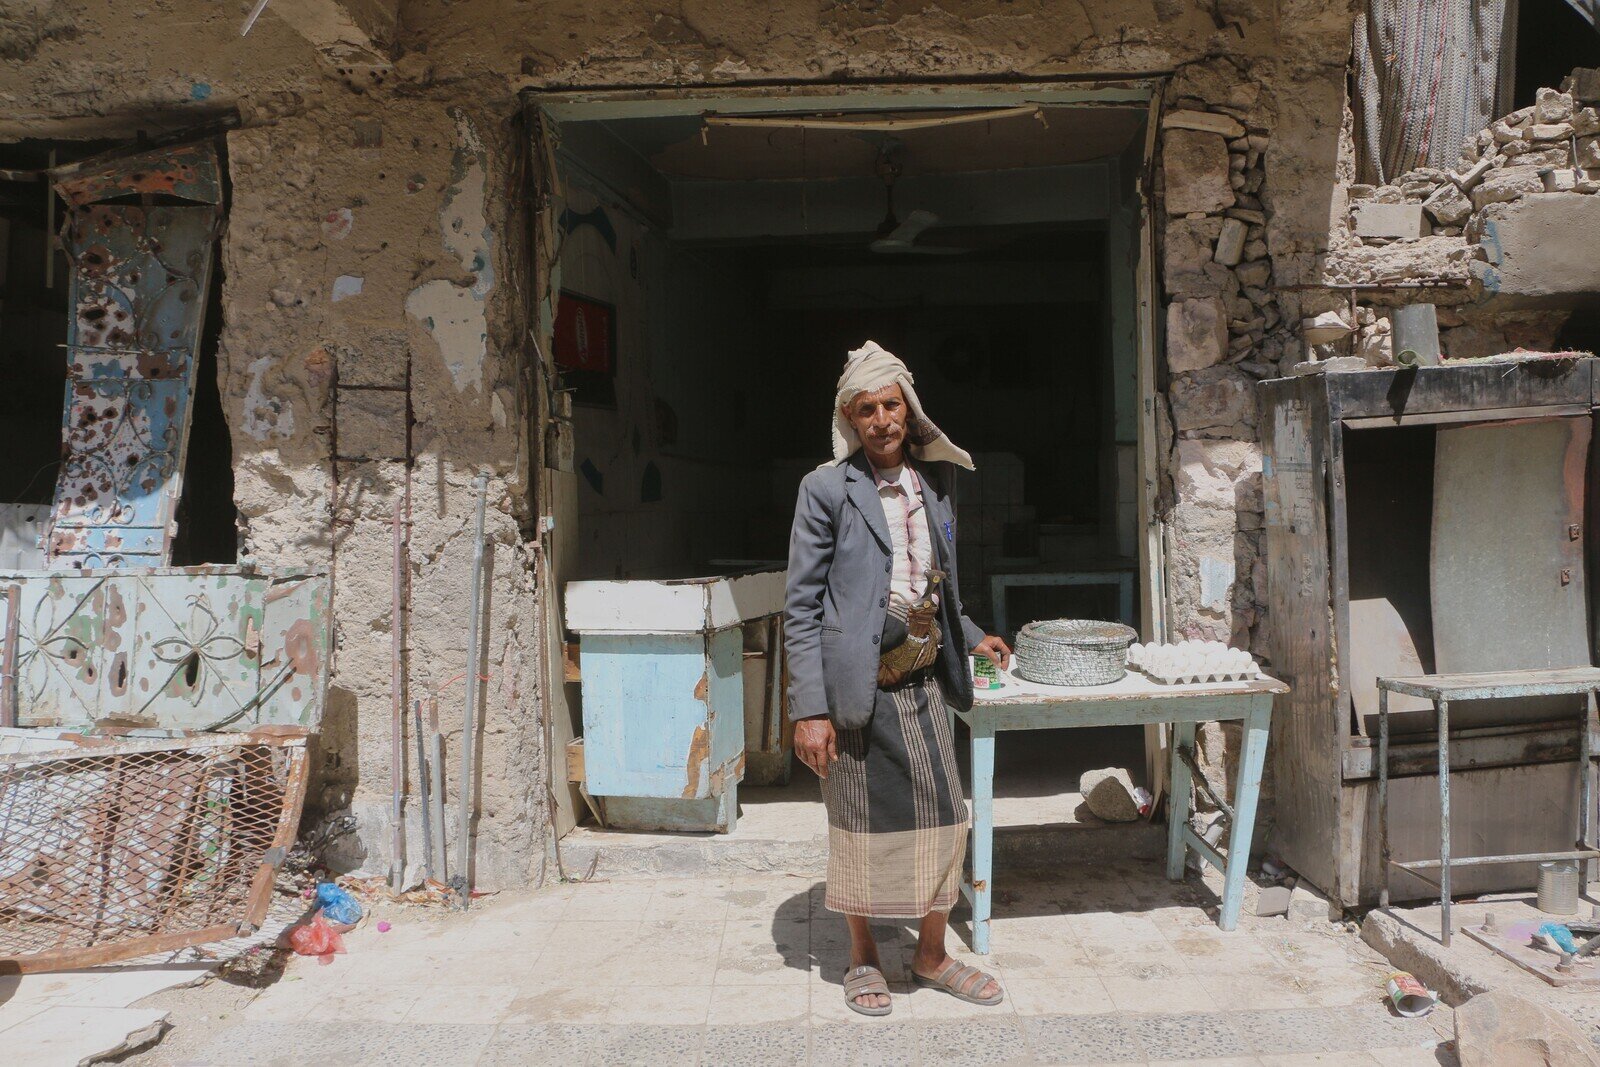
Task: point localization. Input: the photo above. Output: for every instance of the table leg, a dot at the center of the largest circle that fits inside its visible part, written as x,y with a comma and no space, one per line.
1442,707
1252,758
1178,800
982,835
1586,791
1383,797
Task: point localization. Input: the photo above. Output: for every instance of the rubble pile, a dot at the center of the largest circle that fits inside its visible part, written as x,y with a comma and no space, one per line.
1552,146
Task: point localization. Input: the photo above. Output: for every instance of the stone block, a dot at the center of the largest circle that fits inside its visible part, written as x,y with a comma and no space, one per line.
1551,105
1214,402
1223,475
1373,219
1583,85
1187,267
1195,168
1474,174
1541,251
1254,275
1205,121
1230,245
1108,794
1550,131
1254,250
1502,186
1448,206
1588,152
1501,1029
1197,334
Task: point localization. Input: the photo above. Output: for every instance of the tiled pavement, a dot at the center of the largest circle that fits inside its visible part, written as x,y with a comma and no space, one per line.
1111,966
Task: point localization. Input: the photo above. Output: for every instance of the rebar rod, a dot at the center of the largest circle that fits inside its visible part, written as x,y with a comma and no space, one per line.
397,741
424,792
462,878
436,785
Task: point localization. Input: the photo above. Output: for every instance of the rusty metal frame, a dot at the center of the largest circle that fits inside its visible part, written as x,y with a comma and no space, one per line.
209,878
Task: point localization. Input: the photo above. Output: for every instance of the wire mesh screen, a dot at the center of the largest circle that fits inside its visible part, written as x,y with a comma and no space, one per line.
113,851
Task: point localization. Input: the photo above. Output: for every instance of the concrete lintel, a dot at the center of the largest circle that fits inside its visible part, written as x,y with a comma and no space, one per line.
1541,253
567,105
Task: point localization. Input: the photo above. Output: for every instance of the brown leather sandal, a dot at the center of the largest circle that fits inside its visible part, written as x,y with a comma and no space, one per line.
863,981
959,980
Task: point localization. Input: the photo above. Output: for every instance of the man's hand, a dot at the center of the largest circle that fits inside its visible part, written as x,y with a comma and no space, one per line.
816,743
996,649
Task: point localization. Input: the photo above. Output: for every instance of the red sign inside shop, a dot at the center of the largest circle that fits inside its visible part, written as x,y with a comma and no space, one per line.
585,335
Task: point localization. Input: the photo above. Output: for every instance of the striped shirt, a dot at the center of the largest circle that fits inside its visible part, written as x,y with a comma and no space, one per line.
900,491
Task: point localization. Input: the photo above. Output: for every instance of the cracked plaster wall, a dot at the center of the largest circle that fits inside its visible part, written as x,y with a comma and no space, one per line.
315,198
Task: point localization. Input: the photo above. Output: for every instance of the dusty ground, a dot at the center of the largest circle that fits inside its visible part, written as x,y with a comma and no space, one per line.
1112,965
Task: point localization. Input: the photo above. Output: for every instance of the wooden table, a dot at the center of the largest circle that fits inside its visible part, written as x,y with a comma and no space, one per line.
1133,701
1441,689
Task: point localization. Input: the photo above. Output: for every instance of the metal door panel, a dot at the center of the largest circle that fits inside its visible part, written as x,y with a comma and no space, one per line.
292,624
176,648
138,294
1507,566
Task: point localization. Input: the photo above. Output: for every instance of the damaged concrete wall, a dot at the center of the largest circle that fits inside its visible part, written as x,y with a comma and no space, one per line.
366,224
375,213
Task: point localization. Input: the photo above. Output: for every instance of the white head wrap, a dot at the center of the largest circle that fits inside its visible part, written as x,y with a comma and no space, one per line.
870,368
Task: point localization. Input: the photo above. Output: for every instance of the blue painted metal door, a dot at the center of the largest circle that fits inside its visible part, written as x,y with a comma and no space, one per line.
140,277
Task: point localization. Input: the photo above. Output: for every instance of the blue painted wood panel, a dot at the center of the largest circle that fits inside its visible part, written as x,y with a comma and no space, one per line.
663,714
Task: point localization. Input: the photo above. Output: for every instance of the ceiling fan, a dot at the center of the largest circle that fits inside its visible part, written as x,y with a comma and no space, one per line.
893,236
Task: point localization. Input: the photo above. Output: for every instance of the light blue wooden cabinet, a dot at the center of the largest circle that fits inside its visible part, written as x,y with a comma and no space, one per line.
663,695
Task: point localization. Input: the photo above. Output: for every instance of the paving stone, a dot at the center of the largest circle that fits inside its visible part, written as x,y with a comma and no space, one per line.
1286,1031
1082,1039
346,1042
1190,1035
868,1045
759,1046
972,1041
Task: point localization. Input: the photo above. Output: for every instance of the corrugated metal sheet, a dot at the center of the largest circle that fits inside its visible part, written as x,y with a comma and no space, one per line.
138,294
185,648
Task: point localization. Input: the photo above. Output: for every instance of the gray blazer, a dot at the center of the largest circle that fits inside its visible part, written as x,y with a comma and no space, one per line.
840,559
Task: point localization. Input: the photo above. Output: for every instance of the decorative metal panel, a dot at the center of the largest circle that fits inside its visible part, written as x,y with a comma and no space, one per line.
138,294
189,648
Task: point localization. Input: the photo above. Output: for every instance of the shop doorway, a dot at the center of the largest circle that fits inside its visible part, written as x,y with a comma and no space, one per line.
716,259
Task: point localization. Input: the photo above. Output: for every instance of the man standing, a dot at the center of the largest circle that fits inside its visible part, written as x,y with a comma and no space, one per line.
877,645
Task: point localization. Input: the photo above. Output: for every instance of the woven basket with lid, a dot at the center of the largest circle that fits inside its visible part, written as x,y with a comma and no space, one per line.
1073,651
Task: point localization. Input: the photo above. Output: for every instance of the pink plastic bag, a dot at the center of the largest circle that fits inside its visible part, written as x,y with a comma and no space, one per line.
316,938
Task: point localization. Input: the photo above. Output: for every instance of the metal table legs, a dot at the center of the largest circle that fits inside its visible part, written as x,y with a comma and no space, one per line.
1584,852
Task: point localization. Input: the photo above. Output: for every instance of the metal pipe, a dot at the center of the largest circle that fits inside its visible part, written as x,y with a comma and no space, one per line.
1443,707
462,879
1413,866
397,740
424,791
436,786
1383,797
8,658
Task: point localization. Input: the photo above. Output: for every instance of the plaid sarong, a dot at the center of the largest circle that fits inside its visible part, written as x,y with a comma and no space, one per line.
897,817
